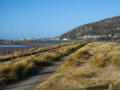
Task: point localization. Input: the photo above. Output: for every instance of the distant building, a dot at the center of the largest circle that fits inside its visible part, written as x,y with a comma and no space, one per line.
117,28
57,38
116,36
92,36
65,39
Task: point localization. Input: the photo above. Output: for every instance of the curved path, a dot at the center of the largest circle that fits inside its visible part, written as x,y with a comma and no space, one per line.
39,77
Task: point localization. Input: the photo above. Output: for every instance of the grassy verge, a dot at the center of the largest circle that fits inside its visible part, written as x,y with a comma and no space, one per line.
15,71
29,52
94,66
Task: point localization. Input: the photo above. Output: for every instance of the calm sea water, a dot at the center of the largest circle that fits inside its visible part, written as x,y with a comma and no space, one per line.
49,42
12,46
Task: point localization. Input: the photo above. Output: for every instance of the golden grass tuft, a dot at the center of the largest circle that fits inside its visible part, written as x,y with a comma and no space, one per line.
82,54
49,56
106,53
116,60
97,61
50,82
71,61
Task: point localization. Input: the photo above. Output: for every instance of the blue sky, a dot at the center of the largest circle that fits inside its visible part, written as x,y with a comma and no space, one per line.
50,18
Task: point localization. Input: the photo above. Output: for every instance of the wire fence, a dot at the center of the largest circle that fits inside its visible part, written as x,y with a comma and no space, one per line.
4,51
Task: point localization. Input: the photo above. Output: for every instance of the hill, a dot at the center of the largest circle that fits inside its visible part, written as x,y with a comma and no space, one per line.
105,29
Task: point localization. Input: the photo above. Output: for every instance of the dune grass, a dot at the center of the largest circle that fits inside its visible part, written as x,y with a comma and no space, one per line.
30,51
15,71
94,66
108,53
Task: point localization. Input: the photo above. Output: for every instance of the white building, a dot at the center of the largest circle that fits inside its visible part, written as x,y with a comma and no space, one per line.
65,39
92,36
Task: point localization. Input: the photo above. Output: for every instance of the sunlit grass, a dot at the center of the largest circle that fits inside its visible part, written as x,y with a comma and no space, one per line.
15,71
91,67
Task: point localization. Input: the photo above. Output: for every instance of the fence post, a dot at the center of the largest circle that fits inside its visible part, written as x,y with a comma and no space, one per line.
12,57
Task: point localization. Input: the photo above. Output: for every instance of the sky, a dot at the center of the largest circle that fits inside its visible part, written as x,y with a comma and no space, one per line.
50,18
